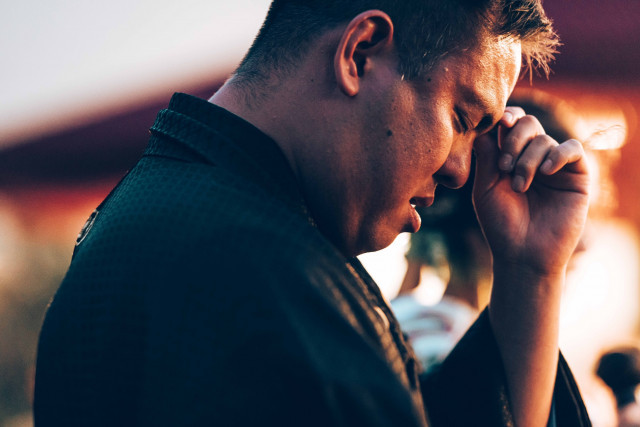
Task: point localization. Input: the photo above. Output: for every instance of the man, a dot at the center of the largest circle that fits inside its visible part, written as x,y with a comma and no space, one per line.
217,284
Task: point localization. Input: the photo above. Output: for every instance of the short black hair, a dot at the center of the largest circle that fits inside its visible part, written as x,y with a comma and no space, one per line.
425,30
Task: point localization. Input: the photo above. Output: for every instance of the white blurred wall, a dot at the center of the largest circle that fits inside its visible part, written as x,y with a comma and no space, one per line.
66,59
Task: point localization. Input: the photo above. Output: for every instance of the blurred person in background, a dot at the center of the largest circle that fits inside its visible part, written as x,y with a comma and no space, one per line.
239,227
619,369
450,245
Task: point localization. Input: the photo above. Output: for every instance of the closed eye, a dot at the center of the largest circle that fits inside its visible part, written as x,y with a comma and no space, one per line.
462,120
486,124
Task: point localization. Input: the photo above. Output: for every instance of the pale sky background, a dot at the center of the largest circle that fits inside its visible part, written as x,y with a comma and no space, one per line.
73,57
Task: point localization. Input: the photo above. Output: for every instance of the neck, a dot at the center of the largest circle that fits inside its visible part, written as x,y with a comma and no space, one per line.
312,122
264,110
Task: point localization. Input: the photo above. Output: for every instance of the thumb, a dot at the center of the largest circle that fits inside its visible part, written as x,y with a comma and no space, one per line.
487,172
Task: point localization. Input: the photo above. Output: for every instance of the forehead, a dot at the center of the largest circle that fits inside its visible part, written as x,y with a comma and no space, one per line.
490,71
484,75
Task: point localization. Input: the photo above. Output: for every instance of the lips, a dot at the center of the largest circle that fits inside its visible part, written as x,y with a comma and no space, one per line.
414,218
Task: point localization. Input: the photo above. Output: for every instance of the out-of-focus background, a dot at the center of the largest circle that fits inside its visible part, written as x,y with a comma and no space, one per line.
80,85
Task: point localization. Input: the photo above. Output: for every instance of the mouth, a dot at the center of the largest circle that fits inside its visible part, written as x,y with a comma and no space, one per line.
415,220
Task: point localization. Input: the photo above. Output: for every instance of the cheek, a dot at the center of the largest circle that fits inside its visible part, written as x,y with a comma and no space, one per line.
418,142
437,135
435,149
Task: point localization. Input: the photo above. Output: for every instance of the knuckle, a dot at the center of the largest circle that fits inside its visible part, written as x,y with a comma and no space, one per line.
525,167
510,143
543,142
554,156
549,141
530,120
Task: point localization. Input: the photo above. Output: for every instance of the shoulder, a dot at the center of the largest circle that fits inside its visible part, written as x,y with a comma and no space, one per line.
172,221
164,204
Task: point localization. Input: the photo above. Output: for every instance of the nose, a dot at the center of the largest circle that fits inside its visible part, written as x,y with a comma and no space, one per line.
455,170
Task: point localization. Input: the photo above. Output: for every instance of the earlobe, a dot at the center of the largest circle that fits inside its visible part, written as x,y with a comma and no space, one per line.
366,35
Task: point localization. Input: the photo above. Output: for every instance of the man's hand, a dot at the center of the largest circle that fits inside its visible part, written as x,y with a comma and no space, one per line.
531,193
531,197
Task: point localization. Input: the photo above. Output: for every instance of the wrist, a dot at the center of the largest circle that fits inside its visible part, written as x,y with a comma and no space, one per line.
526,286
518,270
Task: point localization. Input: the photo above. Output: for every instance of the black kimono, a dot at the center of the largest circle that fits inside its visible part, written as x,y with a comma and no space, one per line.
201,293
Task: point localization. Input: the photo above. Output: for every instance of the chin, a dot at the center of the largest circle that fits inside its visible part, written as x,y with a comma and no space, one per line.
377,241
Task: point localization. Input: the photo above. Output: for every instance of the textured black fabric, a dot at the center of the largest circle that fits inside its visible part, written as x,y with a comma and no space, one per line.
570,409
471,381
202,294
459,385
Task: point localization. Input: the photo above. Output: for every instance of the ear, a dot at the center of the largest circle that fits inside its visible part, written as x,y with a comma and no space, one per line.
366,35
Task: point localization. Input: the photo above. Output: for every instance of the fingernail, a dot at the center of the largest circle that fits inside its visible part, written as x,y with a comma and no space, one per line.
517,183
506,162
546,166
507,116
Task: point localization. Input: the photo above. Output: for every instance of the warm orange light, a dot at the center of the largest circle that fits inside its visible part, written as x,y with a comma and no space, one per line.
603,130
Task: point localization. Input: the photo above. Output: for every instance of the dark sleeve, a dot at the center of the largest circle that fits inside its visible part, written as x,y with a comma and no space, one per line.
470,385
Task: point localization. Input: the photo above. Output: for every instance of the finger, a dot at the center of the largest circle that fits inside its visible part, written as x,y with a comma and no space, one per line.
516,139
511,116
569,152
530,161
487,172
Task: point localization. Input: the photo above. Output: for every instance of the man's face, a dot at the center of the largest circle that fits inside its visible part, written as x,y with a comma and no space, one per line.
420,134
